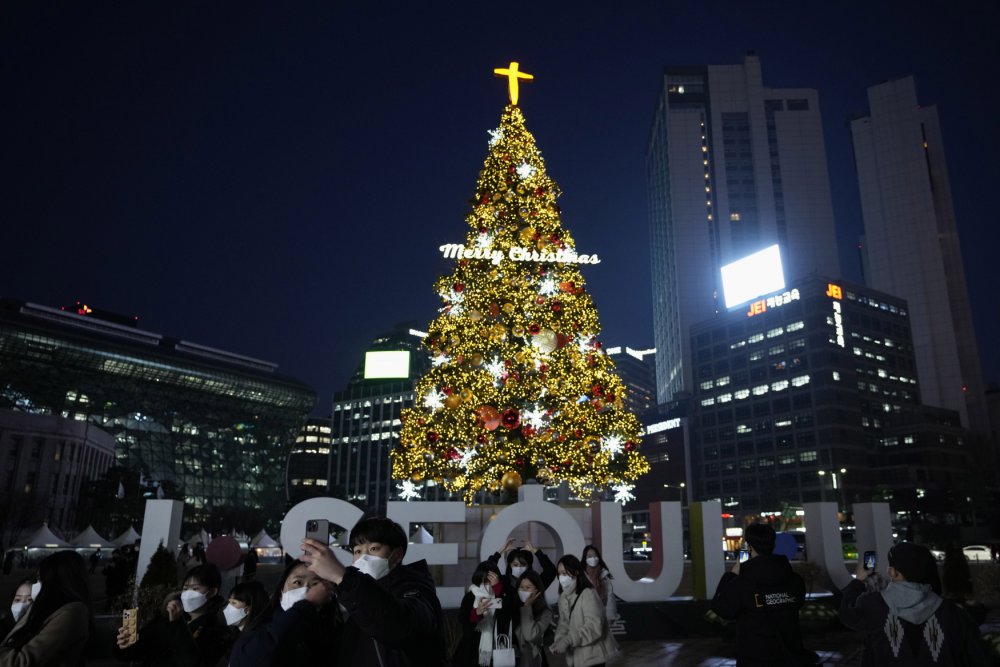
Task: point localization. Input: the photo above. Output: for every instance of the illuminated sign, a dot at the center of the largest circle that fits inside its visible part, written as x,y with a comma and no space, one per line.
753,276
761,305
663,426
834,291
512,75
516,254
382,365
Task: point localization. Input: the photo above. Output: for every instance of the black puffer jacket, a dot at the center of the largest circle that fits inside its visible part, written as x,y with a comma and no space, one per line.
181,643
765,599
393,622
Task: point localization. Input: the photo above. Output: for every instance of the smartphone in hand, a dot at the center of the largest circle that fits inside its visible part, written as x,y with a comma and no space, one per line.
870,560
319,530
130,620
744,555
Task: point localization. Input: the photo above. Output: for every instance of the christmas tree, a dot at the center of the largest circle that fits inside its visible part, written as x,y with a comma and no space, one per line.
520,387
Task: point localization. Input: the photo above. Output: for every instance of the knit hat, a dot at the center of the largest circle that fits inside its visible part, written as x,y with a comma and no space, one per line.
915,563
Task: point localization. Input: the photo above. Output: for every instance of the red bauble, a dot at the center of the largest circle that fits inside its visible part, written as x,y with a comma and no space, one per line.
539,191
597,390
447,390
577,433
556,307
489,417
527,431
511,418
485,199
540,300
463,262
510,170
459,287
534,328
482,230
495,310
562,340
453,454
432,436
629,446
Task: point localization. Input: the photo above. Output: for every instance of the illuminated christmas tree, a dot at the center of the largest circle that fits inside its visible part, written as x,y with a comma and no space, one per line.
519,386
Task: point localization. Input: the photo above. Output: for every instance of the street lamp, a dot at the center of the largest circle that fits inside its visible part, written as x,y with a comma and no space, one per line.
822,488
681,491
837,485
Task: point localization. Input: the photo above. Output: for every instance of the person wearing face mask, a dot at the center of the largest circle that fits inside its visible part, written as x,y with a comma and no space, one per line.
535,620
55,629
394,615
247,601
583,633
480,617
191,631
600,578
520,560
299,625
19,604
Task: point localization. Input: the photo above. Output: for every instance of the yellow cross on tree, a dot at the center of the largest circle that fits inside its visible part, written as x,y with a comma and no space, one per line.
512,76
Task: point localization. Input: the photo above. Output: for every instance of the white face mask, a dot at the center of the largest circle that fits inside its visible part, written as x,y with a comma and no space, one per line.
36,588
518,570
593,561
374,566
289,598
234,614
567,582
193,600
524,595
17,608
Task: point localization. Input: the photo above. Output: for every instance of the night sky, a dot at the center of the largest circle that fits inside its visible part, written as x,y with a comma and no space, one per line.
276,181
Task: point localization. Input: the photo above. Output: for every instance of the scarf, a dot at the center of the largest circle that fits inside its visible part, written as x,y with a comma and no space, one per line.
596,575
485,625
911,601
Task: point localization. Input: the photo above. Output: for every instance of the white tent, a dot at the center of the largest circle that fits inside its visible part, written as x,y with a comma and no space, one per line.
91,539
263,541
421,536
128,537
43,539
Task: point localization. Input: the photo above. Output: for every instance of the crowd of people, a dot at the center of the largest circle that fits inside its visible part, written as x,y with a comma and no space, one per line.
380,612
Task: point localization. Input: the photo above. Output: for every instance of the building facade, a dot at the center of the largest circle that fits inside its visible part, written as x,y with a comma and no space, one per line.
637,369
732,167
217,424
812,394
46,461
364,427
911,246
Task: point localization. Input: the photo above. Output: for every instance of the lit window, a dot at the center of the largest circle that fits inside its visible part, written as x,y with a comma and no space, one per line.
760,390
800,380
743,428
741,394
724,398
756,338
722,382
780,385
775,332
707,384
734,217
907,439
795,326
707,401
807,456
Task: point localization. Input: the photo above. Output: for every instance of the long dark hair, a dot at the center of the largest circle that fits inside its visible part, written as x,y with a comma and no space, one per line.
539,605
573,568
601,565
253,594
63,576
482,571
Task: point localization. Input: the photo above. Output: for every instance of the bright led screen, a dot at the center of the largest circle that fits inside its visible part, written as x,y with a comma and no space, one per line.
384,365
753,276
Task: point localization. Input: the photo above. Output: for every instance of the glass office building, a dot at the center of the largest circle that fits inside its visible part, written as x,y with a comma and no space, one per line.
812,394
217,424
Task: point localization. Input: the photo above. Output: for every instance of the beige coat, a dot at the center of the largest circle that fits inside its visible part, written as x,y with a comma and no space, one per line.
583,634
59,643
529,636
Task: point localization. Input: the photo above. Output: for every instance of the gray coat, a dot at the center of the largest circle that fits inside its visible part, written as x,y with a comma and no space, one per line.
529,636
583,633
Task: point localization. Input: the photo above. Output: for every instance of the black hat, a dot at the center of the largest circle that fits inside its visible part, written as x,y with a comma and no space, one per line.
916,563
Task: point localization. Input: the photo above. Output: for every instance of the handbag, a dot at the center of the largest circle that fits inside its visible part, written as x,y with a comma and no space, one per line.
503,651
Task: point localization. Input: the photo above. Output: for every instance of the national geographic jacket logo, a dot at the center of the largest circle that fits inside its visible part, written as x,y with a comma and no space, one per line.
762,600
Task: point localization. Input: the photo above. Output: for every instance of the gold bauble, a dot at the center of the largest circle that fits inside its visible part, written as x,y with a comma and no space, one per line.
508,308
452,401
543,476
475,315
511,480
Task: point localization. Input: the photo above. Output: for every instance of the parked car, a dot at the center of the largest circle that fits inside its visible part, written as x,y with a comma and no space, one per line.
977,552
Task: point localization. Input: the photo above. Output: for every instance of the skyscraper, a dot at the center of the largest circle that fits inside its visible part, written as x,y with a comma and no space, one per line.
732,167
911,244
